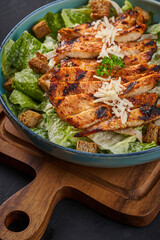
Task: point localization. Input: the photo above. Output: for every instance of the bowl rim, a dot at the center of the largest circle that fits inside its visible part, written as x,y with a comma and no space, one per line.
39,138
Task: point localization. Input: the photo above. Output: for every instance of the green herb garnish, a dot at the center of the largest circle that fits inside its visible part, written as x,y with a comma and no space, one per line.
108,64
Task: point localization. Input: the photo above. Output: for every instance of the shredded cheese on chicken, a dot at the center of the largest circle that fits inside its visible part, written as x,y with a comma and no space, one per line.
109,94
107,33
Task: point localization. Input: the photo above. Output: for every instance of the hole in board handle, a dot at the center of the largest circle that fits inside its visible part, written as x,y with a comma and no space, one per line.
17,221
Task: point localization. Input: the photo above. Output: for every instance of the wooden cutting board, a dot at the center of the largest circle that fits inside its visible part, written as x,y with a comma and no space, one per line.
128,195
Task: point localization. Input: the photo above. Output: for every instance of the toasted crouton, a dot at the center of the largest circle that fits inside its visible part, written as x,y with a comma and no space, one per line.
30,118
144,13
44,81
87,146
8,85
39,63
41,29
100,9
152,134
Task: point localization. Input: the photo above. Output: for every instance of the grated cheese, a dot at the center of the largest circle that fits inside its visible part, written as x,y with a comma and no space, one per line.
107,32
109,94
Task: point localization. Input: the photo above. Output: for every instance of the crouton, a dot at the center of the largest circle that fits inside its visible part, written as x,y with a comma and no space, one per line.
144,13
39,63
151,134
87,146
30,118
8,85
41,29
44,81
100,8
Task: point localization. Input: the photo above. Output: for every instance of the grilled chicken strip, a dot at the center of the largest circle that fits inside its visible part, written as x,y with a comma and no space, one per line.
136,117
87,118
61,89
133,84
73,74
83,47
131,23
137,69
74,104
88,64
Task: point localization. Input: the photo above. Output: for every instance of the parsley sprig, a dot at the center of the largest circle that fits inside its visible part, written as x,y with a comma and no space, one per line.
108,64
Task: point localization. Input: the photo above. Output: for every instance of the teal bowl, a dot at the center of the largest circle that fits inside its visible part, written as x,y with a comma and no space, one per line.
70,155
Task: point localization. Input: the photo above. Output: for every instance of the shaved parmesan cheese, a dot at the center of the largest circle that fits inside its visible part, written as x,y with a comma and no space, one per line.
50,54
109,94
51,63
107,32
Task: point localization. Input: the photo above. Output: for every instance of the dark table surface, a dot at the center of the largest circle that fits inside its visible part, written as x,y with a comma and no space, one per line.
70,219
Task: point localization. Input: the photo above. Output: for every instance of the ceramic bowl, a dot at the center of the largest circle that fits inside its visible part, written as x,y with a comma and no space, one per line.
74,156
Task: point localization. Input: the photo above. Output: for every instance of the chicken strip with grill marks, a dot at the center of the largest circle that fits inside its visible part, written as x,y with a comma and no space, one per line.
74,104
73,74
137,69
88,64
85,48
134,85
87,118
130,23
136,117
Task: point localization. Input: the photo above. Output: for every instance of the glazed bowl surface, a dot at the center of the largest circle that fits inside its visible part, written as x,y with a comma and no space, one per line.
71,155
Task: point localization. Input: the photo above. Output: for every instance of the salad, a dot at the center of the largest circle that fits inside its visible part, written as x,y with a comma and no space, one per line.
88,78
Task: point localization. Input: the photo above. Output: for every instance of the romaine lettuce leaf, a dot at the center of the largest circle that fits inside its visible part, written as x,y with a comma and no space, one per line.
14,108
26,82
7,70
23,100
127,6
41,132
137,146
154,29
60,132
76,16
54,22
114,142
156,56
24,49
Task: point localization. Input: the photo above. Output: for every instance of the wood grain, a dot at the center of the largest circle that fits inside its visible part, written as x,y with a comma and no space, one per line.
128,195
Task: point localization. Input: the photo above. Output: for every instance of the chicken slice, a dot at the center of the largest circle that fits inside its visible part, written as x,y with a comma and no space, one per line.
137,69
86,48
141,85
74,104
136,117
133,48
88,64
73,74
130,23
61,89
89,117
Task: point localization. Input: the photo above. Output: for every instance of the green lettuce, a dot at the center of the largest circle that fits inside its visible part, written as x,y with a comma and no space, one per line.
7,70
76,16
41,132
127,6
24,101
113,142
156,56
26,81
14,108
137,146
60,132
24,49
55,22
154,29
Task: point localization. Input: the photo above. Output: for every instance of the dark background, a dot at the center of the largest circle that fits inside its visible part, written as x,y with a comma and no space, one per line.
70,219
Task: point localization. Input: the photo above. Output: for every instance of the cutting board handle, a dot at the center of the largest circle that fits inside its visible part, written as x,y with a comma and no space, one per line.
32,207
